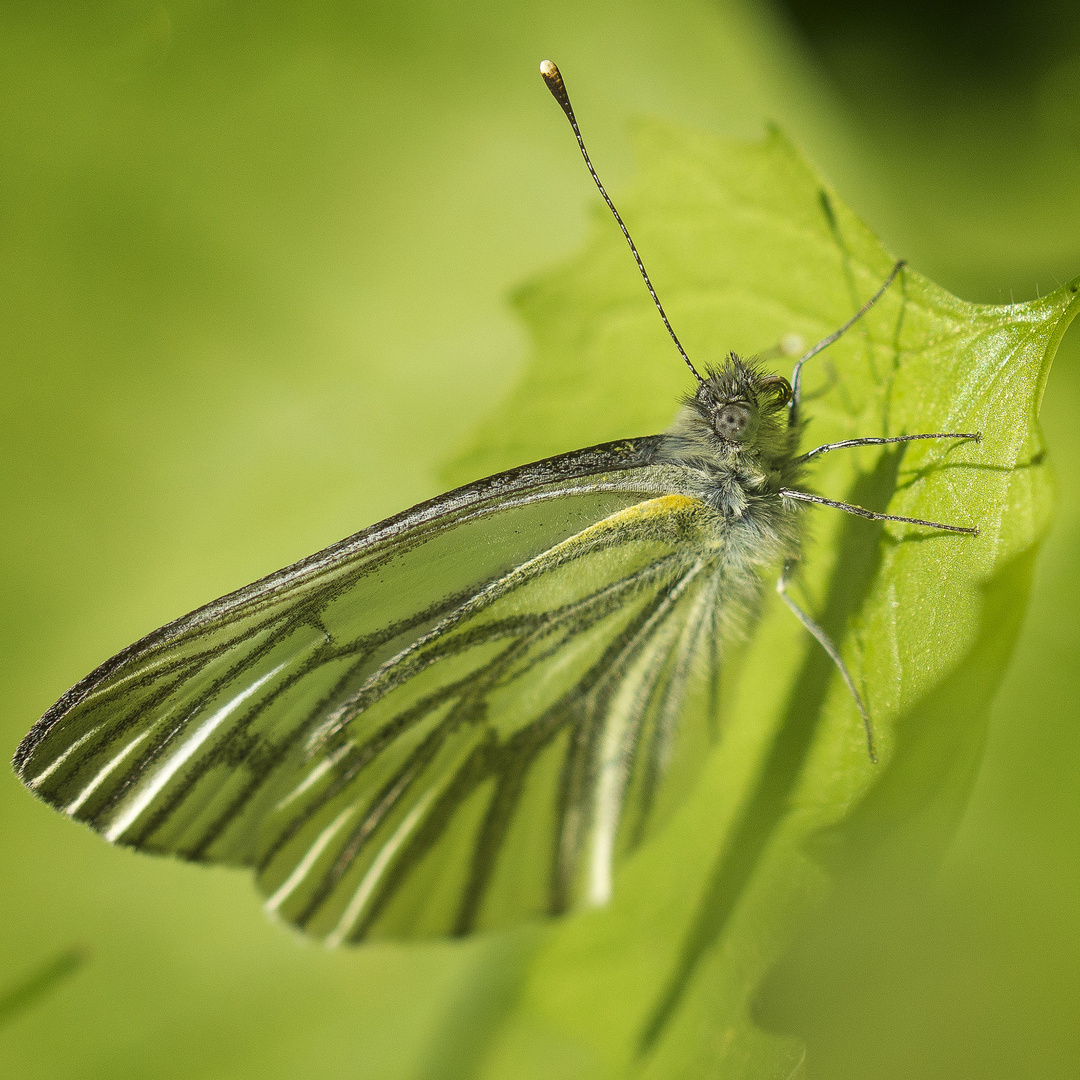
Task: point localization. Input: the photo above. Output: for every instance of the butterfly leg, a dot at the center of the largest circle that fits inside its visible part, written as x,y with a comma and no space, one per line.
834,654
870,515
973,436
825,342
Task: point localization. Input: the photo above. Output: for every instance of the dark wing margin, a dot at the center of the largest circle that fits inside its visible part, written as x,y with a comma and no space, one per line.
371,721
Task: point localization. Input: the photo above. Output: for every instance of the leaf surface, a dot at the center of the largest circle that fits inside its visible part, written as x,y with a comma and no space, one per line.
746,244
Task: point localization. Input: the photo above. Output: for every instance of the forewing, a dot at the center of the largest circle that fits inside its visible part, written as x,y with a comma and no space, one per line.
172,744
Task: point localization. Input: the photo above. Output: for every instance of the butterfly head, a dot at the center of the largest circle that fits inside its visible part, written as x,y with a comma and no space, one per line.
738,413
738,402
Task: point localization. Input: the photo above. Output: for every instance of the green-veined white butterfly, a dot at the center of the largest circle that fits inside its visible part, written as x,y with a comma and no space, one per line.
461,717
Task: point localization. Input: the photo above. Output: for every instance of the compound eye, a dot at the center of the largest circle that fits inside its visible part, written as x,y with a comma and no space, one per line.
733,423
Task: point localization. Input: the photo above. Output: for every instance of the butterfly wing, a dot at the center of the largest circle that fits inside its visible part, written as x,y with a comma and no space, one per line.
448,721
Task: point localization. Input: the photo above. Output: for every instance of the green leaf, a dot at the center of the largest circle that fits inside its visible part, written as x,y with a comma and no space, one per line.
746,244
27,990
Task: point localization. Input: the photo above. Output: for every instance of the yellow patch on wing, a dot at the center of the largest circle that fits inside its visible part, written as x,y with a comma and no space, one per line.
660,511
671,520
665,504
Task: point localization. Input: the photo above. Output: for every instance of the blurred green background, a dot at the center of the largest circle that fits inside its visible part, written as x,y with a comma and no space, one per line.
254,268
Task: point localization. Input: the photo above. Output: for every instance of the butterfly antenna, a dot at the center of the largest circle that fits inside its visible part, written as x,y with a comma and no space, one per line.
557,87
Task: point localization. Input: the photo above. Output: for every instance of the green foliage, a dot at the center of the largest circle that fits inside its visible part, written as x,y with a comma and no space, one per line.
24,992
746,244
255,262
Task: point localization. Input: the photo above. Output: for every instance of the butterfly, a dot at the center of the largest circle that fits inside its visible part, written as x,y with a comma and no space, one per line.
462,717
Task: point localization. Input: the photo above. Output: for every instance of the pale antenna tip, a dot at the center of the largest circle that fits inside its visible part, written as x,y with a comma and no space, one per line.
553,78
